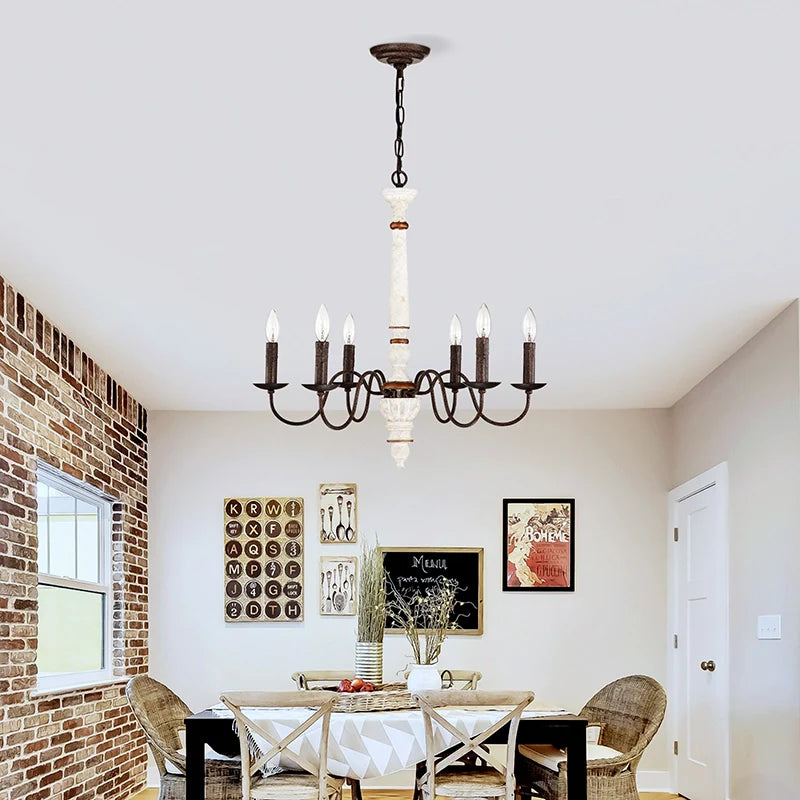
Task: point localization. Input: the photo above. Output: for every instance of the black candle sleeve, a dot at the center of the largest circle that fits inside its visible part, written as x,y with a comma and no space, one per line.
455,363
482,359
348,363
321,363
271,372
529,362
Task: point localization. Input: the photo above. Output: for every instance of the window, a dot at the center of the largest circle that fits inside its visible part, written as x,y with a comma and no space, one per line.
74,582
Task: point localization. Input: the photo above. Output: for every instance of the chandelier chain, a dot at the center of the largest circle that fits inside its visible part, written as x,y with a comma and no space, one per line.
399,177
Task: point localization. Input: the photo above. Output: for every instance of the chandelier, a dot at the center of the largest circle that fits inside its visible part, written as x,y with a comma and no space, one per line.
399,394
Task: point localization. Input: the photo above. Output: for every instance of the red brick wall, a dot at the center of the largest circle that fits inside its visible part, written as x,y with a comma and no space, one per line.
58,406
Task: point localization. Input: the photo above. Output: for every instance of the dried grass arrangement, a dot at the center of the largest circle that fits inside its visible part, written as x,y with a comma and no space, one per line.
425,617
371,595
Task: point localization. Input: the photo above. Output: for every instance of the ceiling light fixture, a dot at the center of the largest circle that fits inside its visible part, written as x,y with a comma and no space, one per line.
400,395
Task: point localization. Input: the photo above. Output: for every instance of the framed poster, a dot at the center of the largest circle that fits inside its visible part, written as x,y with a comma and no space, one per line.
263,546
338,520
338,589
410,569
539,545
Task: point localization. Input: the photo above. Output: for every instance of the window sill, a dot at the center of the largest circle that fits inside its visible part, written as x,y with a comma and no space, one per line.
77,687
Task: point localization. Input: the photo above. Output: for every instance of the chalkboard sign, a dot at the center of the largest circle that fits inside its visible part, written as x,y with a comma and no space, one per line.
410,569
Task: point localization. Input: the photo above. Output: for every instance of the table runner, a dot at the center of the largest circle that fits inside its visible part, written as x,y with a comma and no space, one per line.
374,743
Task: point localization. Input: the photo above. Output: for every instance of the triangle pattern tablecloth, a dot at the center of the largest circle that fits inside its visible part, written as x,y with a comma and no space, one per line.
370,744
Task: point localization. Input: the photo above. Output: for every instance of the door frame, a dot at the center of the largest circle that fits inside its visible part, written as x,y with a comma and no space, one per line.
716,476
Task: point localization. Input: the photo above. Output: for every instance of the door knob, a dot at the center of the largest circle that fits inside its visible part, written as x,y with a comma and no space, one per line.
708,666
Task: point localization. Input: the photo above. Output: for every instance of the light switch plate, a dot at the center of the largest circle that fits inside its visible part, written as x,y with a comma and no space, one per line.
769,626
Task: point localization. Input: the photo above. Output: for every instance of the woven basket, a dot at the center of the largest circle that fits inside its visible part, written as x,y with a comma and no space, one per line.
390,697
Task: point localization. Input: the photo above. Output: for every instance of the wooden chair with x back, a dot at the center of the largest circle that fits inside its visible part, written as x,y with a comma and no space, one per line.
314,782
321,678
443,776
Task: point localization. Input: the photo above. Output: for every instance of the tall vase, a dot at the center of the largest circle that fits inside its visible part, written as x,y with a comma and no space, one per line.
369,661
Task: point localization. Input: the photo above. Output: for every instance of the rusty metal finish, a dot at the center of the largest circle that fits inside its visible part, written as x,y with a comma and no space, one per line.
271,371
482,359
528,362
455,363
321,363
398,226
400,54
348,363
398,341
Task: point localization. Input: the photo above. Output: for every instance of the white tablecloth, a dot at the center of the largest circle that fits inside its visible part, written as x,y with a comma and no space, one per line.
371,744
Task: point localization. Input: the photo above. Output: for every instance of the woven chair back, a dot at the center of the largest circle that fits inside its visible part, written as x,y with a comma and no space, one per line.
161,713
630,711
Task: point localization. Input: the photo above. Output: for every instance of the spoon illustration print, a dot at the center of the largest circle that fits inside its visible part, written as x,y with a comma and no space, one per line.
323,534
340,527
331,535
349,534
328,599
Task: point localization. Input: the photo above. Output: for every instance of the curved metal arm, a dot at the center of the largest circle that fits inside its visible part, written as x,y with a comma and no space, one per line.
292,421
352,407
501,424
365,381
435,379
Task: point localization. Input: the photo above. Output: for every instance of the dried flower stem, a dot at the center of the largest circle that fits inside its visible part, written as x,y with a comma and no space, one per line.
425,617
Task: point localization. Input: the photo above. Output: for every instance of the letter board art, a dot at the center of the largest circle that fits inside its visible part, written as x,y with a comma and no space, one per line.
263,579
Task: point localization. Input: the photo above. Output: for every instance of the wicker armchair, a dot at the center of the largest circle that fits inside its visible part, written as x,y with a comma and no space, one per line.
161,714
629,711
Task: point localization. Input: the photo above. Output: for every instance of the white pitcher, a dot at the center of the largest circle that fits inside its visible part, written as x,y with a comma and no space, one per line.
424,676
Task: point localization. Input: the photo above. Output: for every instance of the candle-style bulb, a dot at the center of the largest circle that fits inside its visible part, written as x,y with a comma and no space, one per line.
273,327
322,326
455,330
529,326
483,323
349,331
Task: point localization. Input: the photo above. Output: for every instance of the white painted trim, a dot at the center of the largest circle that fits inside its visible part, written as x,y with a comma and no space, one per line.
716,476
80,490
654,781
78,687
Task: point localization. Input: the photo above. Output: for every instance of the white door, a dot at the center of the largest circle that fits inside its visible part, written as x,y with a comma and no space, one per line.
700,589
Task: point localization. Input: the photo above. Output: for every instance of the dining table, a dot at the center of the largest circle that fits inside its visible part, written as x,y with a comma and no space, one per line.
372,744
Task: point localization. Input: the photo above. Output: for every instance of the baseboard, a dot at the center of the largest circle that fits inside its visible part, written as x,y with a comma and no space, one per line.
654,781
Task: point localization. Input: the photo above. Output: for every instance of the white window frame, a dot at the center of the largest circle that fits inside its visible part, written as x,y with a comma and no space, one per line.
69,680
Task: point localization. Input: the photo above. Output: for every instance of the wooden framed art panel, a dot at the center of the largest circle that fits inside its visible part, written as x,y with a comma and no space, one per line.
410,569
338,513
539,545
338,585
263,547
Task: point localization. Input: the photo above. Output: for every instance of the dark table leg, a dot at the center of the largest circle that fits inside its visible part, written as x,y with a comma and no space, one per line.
355,788
576,764
195,760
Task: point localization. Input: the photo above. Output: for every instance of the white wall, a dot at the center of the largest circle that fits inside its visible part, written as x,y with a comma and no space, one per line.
747,412
564,646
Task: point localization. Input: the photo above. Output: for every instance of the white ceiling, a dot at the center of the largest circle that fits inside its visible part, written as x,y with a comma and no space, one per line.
169,171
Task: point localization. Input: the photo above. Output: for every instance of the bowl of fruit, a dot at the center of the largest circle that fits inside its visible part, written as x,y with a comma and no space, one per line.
356,685
361,695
